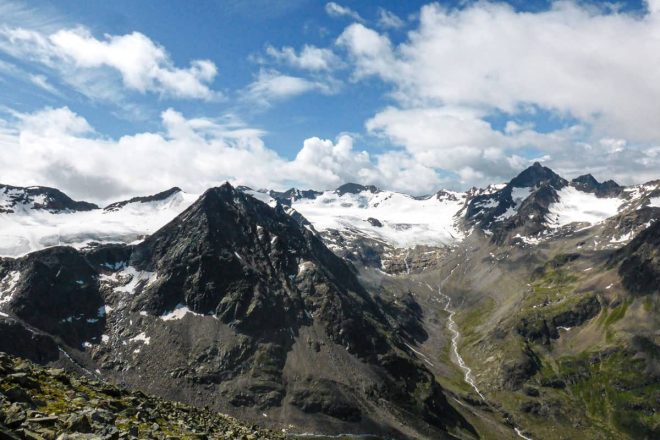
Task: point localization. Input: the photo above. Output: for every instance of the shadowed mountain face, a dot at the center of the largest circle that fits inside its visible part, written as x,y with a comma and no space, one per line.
588,183
233,304
639,262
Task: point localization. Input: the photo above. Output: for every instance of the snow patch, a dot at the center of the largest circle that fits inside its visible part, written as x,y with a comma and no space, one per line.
261,196
7,286
577,206
518,195
129,279
142,337
179,312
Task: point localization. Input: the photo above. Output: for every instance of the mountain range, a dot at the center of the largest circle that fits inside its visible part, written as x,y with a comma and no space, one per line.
527,309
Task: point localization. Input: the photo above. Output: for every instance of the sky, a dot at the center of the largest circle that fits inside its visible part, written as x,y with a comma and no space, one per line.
106,100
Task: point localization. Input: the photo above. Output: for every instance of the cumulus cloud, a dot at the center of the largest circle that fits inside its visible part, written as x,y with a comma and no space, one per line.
309,58
143,65
600,68
461,67
59,148
335,10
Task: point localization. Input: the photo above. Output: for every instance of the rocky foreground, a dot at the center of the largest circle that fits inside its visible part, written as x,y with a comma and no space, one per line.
48,403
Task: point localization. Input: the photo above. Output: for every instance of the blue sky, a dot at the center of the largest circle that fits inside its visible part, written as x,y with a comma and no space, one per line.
106,99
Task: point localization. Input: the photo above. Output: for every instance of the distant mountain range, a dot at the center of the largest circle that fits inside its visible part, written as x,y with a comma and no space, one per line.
521,310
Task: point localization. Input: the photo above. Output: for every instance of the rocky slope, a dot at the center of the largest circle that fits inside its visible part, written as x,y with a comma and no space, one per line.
48,403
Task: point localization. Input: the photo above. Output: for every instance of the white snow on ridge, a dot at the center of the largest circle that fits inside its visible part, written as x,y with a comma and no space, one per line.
518,195
406,221
7,285
27,230
179,312
577,206
129,279
654,202
261,196
142,337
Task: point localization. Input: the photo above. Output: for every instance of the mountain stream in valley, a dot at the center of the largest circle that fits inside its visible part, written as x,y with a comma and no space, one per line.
456,334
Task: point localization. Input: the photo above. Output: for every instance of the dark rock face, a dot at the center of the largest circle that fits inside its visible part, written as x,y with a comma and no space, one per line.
25,343
444,195
588,183
152,198
542,328
293,194
375,222
354,188
242,264
40,197
58,293
517,370
327,397
639,262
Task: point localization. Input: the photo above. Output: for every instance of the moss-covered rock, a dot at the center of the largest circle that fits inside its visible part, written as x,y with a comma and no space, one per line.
47,403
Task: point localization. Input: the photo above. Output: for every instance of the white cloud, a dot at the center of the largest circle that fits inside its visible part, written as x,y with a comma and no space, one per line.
42,82
462,66
310,57
335,10
143,65
54,122
389,20
600,68
59,148
271,85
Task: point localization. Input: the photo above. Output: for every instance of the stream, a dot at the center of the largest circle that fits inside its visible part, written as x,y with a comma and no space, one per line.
456,334
469,379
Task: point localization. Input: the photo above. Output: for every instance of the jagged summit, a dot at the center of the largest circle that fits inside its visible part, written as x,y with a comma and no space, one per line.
293,194
537,175
588,183
587,180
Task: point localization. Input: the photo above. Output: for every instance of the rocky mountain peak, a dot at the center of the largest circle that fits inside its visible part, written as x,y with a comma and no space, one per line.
588,183
355,188
293,194
537,175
